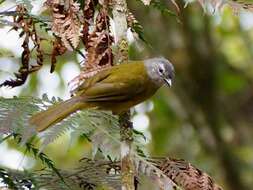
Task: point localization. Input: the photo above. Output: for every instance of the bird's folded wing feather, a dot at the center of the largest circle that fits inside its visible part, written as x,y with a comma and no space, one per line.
91,81
111,92
115,88
117,83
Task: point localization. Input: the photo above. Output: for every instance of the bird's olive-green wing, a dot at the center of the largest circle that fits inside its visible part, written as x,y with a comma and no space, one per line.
108,92
122,83
91,81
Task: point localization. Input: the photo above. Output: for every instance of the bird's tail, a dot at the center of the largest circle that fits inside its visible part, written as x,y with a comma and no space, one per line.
56,113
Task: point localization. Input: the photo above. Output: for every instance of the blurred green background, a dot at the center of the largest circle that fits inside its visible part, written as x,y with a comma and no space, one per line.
205,118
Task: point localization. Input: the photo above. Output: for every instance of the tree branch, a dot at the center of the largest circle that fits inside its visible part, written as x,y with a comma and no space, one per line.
121,55
127,165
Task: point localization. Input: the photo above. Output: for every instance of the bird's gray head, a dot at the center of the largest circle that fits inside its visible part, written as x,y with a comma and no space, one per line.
160,70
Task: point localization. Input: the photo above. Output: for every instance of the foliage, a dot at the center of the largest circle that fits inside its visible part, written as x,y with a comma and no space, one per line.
87,24
100,127
23,21
12,179
91,174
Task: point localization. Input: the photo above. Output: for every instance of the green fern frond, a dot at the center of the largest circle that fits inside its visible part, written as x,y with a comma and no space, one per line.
101,127
7,180
14,113
136,27
91,174
40,155
159,5
166,173
162,7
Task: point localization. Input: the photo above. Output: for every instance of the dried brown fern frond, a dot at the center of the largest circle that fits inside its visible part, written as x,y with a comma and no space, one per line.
99,43
28,30
88,14
184,174
98,47
58,49
66,23
143,166
236,6
40,54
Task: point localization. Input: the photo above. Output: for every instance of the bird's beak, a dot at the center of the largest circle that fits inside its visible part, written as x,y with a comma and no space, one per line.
168,82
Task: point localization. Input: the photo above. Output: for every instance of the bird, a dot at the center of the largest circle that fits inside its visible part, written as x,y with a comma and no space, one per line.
116,89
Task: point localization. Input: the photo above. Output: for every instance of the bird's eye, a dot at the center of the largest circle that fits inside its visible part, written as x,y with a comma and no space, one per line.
160,70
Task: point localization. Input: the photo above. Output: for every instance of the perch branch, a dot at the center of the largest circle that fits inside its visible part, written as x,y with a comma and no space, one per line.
121,55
